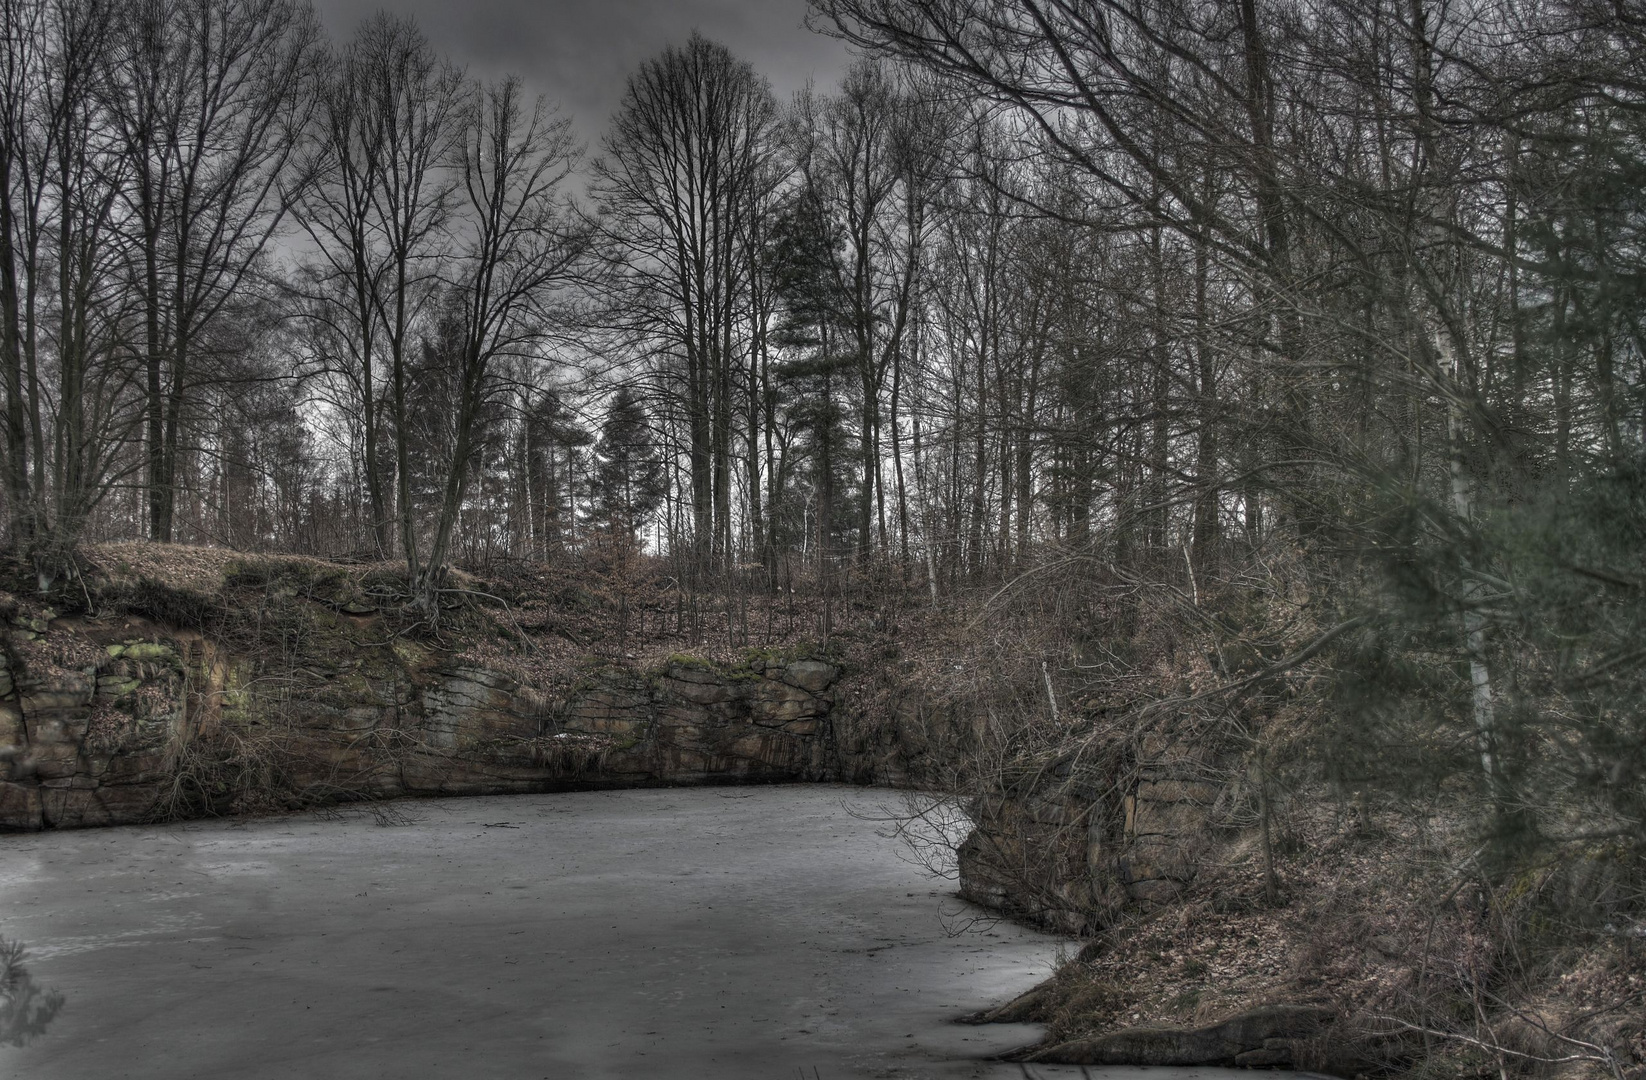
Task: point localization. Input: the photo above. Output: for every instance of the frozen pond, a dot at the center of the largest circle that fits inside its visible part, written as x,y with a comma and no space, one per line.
743,932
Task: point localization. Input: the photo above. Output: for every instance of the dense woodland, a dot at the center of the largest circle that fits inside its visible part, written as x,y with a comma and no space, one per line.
1312,328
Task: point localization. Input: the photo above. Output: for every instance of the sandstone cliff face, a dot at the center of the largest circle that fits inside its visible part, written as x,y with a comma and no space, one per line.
83,730
130,721
1078,842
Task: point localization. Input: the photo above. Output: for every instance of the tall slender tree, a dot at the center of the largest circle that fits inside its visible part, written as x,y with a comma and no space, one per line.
681,172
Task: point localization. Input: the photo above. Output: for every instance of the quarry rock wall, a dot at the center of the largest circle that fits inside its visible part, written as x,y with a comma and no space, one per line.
130,722
1075,844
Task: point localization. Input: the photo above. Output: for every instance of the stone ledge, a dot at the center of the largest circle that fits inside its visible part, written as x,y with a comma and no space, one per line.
1262,1037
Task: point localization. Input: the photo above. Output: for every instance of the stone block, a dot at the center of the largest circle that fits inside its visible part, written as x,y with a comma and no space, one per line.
57,728
1164,758
701,693
782,713
684,713
455,697
755,746
602,725
1150,818
12,730
142,651
58,698
359,718
1160,857
773,704
67,808
79,781
613,704
492,680
1241,1040
20,806
814,676
1051,811
681,733
127,768
693,673
50,760
423,774
76,807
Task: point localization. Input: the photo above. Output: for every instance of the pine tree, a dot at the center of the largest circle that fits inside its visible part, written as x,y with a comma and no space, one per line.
556,462
627,481
817,377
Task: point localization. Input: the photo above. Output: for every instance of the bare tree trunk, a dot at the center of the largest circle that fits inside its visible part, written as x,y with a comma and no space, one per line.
1207,506
19,499
1461,483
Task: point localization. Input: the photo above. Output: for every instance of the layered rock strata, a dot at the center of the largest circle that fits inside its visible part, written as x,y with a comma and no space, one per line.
132,721
1075,843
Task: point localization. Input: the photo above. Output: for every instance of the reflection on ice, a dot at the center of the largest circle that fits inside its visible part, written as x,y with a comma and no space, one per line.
25,1009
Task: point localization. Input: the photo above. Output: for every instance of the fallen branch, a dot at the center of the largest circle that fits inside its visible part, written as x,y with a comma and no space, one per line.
1596,1053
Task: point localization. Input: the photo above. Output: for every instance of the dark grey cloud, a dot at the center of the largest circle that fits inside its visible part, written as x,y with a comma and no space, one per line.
579,52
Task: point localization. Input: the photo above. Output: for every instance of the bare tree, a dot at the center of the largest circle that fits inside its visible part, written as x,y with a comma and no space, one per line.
339,213
65,315
212,99
681,170
519,250
866,155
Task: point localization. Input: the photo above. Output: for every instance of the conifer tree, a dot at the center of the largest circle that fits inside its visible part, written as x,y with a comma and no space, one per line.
627,481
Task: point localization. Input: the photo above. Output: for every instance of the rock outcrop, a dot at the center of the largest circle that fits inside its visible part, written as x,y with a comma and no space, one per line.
131,720
1268,1036
1072,843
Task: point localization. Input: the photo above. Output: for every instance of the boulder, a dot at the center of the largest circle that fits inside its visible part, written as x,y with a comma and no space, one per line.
813,676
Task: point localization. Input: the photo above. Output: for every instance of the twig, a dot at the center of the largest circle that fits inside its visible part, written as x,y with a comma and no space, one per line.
1292,661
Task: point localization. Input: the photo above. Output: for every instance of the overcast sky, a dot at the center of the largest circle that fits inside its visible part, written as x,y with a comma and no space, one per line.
579,52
